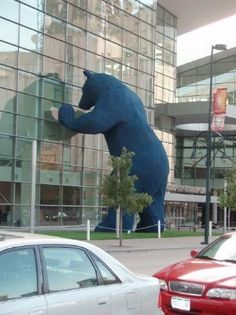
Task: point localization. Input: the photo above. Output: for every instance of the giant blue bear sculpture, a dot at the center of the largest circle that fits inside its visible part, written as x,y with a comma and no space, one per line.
119,114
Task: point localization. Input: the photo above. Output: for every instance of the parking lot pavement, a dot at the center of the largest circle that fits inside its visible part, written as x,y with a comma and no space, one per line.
147,256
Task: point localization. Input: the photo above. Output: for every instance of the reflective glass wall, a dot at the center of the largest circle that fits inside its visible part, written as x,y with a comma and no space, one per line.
165,79
193,86
44,48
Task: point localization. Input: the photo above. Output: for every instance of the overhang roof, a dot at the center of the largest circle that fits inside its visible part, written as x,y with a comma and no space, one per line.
193,14
192,117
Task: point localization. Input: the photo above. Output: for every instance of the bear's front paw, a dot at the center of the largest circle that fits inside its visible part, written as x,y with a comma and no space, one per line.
66,112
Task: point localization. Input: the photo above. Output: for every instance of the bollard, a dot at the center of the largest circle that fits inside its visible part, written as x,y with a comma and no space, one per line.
88,230
159,229
210,228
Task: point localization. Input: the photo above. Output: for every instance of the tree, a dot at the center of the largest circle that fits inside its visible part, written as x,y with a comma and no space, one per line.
118,189
228,197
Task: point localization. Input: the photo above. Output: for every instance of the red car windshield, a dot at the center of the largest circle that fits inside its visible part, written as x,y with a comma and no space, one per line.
224,248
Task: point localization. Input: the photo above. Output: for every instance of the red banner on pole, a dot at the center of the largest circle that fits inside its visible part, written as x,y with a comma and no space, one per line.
219,109
220,101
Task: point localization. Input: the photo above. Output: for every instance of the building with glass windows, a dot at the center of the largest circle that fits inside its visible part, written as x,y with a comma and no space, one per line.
191,126
44,47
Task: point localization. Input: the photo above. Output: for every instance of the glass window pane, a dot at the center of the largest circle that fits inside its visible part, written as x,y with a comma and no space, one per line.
30,61
28,83
7,123
8,100
131,41
96,25
94,62
114,33
130,23
146,30
146,48
30,39
146,14
57,8
68,268
130,75
76,36
130,58
107,275
55,28
49,194
35,3
71,195
54,48
97,7
8,78
77,16
18,274
113,13
10,33
10,10
53,67
27,127
76,56
31,18
8,55
28,105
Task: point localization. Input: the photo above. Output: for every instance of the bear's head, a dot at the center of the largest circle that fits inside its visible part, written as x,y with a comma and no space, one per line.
97,85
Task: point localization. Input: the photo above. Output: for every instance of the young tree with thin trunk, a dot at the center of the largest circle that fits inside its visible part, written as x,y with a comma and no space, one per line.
118,190
228,197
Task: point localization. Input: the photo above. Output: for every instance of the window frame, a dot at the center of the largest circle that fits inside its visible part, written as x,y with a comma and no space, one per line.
38,270
89,254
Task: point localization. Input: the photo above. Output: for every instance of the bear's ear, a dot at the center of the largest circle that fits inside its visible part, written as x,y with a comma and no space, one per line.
88,74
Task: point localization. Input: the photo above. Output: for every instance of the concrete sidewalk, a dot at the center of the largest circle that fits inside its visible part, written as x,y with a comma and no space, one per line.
142,245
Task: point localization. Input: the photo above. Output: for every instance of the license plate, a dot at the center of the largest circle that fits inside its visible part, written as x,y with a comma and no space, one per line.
180,303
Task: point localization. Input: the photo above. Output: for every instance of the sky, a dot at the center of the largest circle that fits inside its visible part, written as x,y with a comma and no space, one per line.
197,44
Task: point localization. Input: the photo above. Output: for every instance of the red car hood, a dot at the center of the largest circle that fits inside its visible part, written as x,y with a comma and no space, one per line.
201,271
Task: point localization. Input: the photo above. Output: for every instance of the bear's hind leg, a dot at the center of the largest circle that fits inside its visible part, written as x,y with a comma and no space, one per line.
151,215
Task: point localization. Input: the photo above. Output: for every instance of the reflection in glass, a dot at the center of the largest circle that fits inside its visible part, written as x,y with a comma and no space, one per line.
7,123
28,105
31,18
8,78
8,100
10,10
54,48
28,83
30,39
27,127
8,55
30,61
76,36
77,16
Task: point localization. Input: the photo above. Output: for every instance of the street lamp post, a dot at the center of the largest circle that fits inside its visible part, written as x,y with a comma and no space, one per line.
209,148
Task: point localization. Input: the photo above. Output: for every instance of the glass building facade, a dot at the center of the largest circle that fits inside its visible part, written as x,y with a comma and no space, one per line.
193,86
44,47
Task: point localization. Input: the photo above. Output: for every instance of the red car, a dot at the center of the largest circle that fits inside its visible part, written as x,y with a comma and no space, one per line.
204,284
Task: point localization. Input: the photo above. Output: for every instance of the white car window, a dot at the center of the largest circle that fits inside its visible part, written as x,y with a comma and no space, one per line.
107,275
68,268
18,274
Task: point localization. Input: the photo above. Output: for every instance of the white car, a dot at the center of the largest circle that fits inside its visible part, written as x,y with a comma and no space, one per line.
42,275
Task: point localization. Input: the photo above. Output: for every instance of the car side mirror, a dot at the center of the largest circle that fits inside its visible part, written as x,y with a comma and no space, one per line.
194,252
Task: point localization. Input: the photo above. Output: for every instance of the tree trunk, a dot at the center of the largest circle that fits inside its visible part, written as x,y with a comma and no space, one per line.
121,226
118,223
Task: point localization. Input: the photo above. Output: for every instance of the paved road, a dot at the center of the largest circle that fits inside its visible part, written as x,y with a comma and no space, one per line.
147,256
